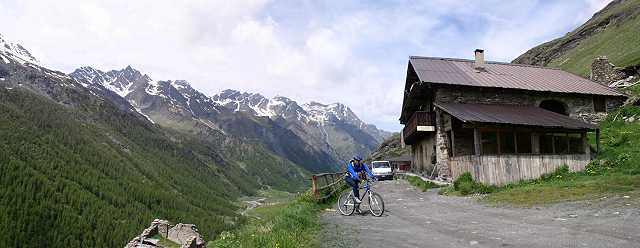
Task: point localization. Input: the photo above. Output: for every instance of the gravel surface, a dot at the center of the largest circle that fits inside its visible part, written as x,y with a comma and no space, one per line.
426,219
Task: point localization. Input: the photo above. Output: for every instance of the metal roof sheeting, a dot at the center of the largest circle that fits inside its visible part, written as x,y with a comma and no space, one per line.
512,114
504,75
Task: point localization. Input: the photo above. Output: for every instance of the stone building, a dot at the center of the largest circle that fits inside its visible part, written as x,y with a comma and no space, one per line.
502,122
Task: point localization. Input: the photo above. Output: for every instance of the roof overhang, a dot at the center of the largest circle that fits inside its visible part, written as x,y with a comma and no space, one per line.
513,115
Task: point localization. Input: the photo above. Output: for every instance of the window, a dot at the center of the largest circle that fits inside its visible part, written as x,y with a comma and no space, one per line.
560,143
489,143
576,146
524,142
599,104
507,143
554,106
546,144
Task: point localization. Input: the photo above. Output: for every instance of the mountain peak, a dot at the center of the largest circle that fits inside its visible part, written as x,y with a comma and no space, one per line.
16,52
121,81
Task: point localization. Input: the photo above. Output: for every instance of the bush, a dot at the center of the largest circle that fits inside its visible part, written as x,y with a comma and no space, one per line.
466,185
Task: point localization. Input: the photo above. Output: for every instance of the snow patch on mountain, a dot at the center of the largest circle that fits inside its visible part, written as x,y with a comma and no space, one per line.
16,52
280,106
121,82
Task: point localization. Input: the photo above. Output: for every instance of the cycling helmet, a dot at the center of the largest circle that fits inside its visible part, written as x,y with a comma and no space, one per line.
358,158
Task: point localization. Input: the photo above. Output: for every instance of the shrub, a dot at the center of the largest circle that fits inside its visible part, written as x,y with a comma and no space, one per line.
466,185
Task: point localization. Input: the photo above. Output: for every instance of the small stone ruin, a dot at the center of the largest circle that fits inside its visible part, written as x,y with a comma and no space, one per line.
606,73
184,234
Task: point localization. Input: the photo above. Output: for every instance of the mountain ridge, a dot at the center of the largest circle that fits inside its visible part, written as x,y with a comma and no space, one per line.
346,135
611,32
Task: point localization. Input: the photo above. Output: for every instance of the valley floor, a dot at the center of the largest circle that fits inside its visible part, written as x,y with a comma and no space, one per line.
426,219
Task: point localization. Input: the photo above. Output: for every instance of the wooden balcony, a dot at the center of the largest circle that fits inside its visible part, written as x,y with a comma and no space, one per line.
420,122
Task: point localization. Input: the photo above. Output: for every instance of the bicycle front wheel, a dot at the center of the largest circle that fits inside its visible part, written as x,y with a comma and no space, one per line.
376,204
346,205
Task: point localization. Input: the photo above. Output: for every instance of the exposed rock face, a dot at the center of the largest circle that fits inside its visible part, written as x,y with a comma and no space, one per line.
390,147
186,235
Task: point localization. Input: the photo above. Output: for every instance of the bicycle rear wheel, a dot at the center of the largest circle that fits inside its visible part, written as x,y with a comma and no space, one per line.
376,204
346,205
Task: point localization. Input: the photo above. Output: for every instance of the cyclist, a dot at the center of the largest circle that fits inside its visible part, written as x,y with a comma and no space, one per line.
357,170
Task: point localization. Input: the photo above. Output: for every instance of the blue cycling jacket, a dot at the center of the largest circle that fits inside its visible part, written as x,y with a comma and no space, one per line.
353,171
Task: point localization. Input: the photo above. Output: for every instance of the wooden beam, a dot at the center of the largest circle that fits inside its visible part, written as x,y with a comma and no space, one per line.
453,143
476,141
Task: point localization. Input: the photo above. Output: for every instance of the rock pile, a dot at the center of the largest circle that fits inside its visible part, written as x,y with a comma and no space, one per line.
606,73
184,234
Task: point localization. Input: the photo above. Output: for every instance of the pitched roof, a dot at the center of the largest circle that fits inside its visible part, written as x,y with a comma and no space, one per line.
512,114
504,75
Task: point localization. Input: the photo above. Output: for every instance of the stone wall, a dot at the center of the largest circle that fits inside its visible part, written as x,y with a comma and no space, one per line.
604,72
578,106
442,148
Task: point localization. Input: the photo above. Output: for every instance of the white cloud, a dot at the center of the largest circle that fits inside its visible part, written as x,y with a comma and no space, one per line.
326,51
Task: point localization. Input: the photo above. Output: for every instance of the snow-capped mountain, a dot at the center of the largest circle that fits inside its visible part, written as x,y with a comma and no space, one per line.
177,105
120,82
280,106
332,127
15,51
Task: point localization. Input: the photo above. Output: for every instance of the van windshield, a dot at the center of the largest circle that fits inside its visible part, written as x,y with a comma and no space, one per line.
380,165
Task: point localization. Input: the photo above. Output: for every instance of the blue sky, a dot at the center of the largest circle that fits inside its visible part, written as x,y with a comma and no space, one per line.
354,52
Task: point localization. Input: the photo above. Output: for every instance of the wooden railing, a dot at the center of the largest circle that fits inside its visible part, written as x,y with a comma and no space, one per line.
418,118
325,185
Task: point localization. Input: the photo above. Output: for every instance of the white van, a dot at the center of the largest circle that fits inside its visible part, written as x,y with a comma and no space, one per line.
382,169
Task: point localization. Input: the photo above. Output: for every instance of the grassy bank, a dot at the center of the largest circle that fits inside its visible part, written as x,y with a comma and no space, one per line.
291,224
616,170
421,184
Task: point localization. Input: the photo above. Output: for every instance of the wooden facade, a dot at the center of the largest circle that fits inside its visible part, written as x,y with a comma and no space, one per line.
505,169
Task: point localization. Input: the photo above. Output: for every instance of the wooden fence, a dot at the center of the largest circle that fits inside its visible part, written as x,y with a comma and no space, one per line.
325,185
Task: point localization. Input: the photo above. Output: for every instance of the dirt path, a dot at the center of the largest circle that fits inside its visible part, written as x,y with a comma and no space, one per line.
426,219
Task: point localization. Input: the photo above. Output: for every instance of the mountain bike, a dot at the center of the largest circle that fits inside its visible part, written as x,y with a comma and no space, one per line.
347,204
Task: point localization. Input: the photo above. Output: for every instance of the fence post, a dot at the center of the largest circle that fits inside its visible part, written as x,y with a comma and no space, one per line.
314,186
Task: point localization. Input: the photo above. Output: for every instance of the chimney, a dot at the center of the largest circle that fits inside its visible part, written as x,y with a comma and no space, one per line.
479,63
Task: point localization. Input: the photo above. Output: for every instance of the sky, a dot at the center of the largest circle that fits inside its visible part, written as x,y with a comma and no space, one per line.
353,52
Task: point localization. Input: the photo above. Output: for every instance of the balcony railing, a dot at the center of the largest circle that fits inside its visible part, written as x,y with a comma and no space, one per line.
418,119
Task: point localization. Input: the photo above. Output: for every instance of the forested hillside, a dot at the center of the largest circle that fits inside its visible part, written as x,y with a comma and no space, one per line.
78,170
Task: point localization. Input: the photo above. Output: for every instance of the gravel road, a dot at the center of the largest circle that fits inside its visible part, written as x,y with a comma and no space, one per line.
426,219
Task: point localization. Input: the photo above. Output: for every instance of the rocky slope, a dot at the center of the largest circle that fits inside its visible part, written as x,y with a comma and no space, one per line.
333,128
611,32
82,167
389,148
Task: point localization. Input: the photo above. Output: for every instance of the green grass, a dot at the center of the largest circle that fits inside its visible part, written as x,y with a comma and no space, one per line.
621,43
616,170
421,184
293,224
